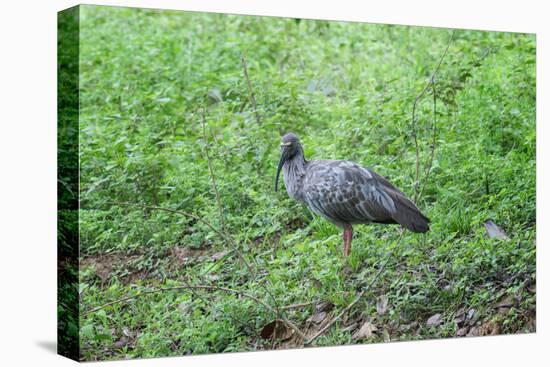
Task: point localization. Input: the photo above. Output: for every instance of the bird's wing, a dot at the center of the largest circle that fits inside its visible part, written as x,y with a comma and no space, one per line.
345,192
407,214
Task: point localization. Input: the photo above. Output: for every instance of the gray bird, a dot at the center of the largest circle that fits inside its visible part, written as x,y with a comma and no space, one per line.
344,192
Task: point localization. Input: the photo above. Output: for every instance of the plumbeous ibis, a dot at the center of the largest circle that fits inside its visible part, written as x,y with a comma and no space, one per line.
344,192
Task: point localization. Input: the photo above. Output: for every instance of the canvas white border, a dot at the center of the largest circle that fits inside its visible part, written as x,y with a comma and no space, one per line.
28,182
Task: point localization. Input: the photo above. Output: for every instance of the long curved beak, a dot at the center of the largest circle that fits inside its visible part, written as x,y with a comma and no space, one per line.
281,162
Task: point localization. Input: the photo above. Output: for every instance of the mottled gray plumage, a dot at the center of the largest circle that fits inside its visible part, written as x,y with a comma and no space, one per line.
344,192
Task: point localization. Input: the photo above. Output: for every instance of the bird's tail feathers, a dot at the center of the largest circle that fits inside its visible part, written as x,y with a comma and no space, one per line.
409,216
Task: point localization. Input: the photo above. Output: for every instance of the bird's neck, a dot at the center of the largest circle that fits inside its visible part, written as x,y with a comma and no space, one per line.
294,171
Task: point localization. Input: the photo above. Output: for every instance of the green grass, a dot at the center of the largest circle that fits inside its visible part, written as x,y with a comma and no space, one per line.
347,90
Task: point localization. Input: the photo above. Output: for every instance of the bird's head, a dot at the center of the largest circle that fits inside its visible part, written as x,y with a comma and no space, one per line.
290,146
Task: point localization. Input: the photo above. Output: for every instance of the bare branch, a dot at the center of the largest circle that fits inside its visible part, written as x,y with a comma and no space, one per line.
434,142
413,120
212,175
250,91
220,208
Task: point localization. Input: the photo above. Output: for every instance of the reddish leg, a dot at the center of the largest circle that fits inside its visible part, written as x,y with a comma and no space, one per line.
348,236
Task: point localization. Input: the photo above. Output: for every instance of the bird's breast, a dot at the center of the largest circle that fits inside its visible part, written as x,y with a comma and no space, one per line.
293,177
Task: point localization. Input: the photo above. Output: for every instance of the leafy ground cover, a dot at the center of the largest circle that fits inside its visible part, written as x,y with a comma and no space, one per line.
164,93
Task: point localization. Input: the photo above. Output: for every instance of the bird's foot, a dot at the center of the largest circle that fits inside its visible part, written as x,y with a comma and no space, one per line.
347,237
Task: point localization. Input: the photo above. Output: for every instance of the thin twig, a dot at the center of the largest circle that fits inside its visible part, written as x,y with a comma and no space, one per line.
190,287
220,209
250,91
212,175
359,296
434,142
413,120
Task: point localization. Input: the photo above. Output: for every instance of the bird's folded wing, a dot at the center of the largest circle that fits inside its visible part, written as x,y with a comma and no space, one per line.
346,192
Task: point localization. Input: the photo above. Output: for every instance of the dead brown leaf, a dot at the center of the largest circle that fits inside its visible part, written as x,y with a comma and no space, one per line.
319,317
276,330
365,331
460,317
382,305
494,231
321,314
434,320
